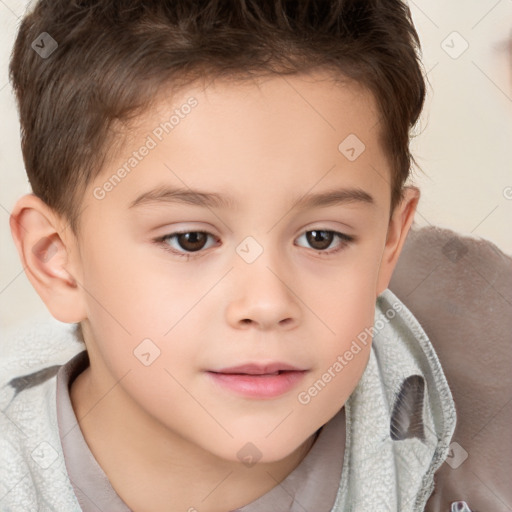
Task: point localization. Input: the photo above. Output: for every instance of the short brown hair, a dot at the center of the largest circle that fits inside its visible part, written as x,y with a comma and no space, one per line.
114,56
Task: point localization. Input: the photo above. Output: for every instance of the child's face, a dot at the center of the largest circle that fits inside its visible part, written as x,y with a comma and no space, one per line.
260,288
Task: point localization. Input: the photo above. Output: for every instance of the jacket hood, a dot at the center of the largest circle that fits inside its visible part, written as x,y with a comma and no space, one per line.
400,418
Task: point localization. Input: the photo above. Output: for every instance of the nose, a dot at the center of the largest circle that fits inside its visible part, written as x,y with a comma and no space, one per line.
263,297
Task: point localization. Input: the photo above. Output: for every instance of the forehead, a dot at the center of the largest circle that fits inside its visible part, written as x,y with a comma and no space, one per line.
282,133
319,100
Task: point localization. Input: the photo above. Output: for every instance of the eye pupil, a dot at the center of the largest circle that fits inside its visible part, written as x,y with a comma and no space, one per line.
192,241
324,237
195,241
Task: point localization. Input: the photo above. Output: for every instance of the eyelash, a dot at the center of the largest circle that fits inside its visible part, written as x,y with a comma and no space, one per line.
162,241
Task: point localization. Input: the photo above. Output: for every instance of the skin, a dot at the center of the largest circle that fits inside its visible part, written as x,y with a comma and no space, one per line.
165,434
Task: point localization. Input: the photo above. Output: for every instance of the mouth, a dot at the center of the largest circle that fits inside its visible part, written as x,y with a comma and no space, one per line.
259,369
258,381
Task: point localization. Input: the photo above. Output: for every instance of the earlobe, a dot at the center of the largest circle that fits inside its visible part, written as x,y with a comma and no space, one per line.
37,233
398,228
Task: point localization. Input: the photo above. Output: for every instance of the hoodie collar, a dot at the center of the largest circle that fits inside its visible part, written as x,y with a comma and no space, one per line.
400,418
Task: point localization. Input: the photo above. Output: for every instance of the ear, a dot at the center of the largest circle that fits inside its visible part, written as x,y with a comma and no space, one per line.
398,229
44,243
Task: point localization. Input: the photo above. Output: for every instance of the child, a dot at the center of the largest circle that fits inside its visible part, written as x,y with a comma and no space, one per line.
189,163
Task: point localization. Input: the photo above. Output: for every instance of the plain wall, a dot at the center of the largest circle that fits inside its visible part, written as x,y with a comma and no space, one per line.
463,142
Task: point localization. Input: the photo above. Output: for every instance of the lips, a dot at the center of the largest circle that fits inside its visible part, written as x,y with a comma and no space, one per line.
261,381
257,369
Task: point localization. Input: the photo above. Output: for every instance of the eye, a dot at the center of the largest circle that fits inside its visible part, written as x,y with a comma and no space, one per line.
321,239
191,241
185,243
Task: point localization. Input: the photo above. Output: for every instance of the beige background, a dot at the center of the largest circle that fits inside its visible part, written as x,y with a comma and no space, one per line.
463,142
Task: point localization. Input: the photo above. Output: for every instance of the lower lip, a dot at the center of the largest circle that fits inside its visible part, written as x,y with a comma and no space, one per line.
258,386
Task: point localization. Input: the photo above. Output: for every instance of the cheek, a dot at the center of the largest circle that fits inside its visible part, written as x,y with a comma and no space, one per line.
124,290
324,395
143,319
122,309
345,303
342,359
343,344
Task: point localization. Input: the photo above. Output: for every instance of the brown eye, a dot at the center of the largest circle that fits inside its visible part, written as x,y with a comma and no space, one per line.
320,239
192,241
185,243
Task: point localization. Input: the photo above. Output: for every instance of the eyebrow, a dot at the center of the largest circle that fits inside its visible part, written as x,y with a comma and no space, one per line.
216,200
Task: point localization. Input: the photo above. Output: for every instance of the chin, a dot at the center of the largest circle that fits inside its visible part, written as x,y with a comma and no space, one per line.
250,449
